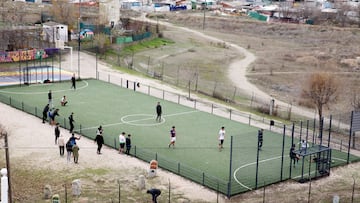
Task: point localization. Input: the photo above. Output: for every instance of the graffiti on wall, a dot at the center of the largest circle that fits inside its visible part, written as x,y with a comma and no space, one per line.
22,55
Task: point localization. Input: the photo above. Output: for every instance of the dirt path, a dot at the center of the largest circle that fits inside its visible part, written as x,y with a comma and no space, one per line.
237,71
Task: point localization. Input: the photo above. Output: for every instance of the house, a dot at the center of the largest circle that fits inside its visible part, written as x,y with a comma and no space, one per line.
53,31
131,4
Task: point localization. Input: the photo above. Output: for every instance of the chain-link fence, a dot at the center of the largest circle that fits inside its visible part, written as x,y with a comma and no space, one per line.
307,129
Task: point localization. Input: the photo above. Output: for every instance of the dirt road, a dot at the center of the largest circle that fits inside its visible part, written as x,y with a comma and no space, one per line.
237,71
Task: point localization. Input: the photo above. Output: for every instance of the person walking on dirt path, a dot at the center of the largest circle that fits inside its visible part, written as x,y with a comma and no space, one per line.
158,112
260,138
68,150
73,139
69,145
50,99
122,141
128,144
75,150
73,82
71,122
57,132
99,131
61,144
172,137
45,113
221,138
99,139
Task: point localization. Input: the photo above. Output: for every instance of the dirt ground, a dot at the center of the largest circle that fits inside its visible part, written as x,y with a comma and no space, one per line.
32,143
286,53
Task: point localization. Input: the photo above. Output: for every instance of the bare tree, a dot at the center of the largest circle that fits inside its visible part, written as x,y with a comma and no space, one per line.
64,12
102,41
285,9
342,13
321,90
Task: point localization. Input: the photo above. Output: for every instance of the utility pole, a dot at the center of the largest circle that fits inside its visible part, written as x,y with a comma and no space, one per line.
79,42
204,7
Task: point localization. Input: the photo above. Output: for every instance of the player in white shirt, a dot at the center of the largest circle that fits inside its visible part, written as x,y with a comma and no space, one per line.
221,137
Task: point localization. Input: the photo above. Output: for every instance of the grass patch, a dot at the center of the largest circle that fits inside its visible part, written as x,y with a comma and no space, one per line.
143,45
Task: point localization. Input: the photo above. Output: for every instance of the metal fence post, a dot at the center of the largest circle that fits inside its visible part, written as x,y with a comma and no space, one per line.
217,192
350,133
119,189
353,190
65,193
257,164
169,191
230,170
264,193
203,178
340,145
282,155
309,188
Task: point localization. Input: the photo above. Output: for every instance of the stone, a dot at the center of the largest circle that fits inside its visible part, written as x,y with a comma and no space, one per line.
47,192
141,183
76,187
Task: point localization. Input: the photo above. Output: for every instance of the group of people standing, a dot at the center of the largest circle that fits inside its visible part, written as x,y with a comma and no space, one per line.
51,112
70,145
124,141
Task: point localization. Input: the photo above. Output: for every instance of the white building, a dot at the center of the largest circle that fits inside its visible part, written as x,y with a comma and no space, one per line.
53,31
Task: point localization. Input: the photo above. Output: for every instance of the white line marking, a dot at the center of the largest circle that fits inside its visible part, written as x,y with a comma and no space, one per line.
243,166
82,87
134,121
